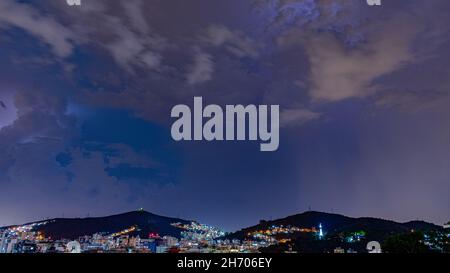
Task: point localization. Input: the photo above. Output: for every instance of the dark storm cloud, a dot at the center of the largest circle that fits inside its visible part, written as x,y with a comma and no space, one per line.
64,159
53,33
89,89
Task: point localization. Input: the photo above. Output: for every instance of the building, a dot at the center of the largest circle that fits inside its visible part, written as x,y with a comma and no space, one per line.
170,241
3,242
26,247
149,244
339,250
9,245
161,249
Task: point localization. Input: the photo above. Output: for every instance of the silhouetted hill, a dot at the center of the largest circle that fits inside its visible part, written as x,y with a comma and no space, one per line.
335,223
146,223
421,225
303,220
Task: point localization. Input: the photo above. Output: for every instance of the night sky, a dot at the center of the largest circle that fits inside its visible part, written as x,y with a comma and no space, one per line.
86,94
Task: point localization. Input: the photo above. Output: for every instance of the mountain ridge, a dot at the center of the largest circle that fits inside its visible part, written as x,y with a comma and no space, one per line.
336,223
147,222
144,221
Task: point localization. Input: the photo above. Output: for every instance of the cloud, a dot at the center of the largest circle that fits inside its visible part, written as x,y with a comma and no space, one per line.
59,37
122,29
124,32
40,126
340,16
347,49
339,71
354,54
234,42
201,70
129,50
295,117
411,100
134,10
44,158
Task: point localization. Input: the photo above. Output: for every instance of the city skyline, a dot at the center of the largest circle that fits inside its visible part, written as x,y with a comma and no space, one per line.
144,232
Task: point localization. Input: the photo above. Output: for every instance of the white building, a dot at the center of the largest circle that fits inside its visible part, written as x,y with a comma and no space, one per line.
170,241
3,242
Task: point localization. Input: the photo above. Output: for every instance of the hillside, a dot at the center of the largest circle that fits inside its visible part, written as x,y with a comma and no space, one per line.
145,222
335,223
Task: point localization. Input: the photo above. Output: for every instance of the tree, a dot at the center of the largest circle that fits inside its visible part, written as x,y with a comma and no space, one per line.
406,243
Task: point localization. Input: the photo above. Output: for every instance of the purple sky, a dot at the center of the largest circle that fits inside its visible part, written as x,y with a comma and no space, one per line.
86,94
